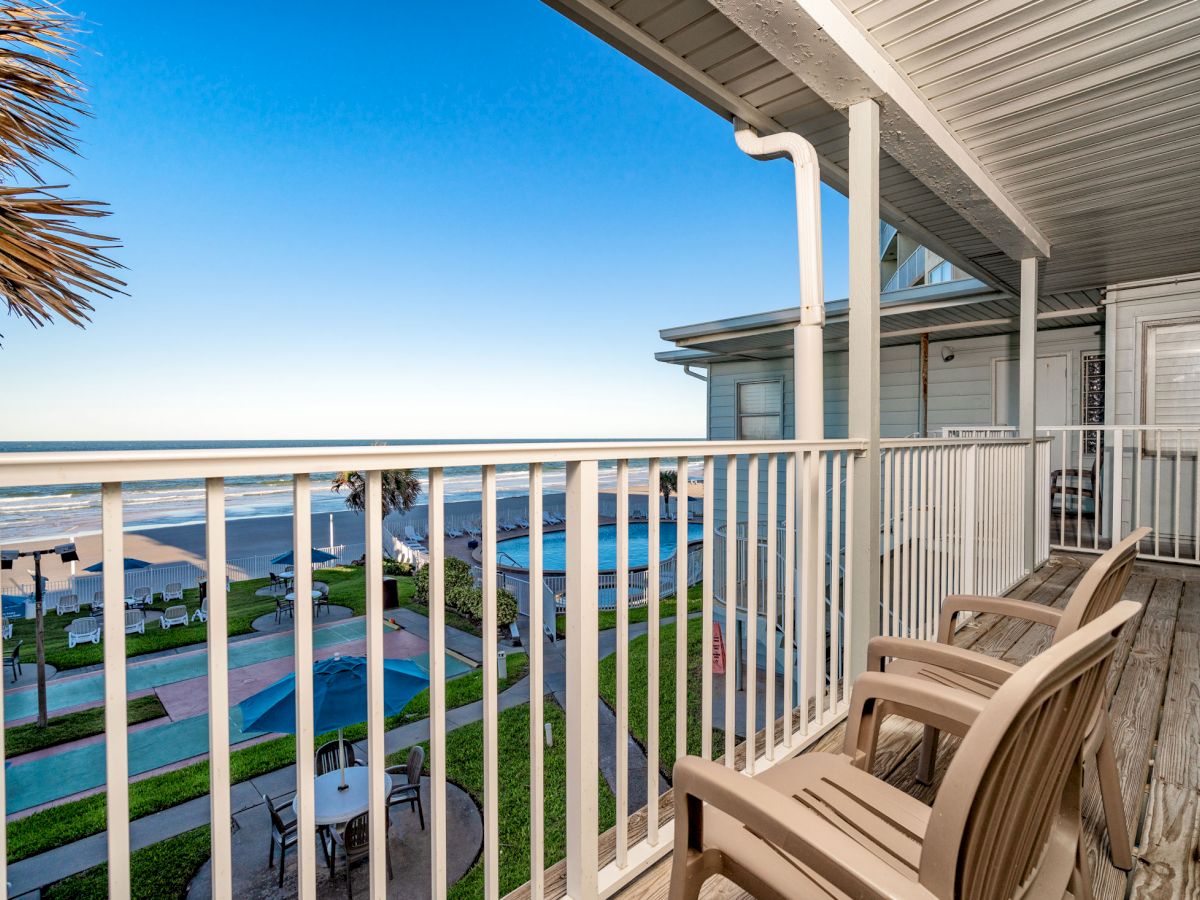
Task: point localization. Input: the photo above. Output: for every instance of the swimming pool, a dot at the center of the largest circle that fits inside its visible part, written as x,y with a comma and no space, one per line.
514,552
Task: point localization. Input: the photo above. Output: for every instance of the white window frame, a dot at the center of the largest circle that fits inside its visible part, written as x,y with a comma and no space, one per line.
1188,443
737,404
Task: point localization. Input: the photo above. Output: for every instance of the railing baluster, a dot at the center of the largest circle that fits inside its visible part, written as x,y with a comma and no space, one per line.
653,649
887,626
809,585
302,610
1098,485
373,573
835,581
218,689
820,596
115,719
751,667
771,625
731,654
706,601
622,662
1155,507
681,605
491,775
1178,461
789,593
1062,494
848,592
437,694
537,642
1079,493
582,681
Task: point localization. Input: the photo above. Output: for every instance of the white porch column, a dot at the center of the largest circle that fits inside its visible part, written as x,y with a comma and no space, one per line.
1028,397
864,377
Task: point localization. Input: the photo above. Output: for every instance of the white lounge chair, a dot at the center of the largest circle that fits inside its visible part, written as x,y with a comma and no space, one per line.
98,602
473,529
141,596
174,615
522,522
452,532
173,591
135,621
201,614
67,603
81,631
412,536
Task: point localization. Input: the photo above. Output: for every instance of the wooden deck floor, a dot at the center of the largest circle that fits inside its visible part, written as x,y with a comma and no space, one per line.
1156,720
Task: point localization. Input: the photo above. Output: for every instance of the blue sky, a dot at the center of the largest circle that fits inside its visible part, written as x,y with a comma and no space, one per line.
407,221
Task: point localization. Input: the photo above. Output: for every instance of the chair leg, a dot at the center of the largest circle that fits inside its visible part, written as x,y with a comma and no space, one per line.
282,861
271,853
928,760
421,812
1081,878
1114,805
350,882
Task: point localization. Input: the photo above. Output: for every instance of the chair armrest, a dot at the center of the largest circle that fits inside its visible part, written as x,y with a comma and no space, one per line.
957,659
791,827
1000,606
877,695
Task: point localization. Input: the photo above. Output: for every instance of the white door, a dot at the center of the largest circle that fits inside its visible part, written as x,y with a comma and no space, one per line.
1052,406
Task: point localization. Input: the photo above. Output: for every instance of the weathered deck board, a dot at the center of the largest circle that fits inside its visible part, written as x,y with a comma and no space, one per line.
1156,715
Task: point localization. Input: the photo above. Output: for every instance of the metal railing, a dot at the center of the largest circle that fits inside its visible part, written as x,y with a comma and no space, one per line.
908,272
949,515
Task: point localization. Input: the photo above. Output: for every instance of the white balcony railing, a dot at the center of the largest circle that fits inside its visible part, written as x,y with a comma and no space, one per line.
951,514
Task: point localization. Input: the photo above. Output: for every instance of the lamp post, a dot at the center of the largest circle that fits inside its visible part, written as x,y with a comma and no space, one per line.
66,552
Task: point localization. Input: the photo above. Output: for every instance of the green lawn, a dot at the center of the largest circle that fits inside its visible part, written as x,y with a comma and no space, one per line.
638,677
161,871
464,767
74,726
346,588
77,819
666,610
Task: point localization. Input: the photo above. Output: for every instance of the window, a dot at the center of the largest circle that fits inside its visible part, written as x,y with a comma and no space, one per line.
1171,382
760,410
939,273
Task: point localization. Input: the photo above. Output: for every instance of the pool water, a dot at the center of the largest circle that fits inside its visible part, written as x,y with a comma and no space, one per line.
514,552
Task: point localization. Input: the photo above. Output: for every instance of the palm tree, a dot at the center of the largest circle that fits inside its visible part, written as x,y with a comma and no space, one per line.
668,484
401,490
48,264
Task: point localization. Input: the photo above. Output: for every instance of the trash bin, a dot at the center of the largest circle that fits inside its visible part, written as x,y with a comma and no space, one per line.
391,594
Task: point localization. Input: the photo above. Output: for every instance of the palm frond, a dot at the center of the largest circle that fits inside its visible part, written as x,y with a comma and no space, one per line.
49,265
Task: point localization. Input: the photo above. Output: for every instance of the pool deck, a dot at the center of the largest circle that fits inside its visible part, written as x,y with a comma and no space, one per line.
180,680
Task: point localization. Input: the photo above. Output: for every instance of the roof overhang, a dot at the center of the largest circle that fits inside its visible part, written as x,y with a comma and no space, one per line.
1007,130
957,309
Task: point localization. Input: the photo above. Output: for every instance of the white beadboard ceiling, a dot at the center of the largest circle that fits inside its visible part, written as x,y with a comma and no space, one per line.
1085,113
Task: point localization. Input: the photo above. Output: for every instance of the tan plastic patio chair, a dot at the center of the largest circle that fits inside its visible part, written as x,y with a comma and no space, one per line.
1097,591
1006,823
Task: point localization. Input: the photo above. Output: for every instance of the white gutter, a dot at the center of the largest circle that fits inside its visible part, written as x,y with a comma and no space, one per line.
809,350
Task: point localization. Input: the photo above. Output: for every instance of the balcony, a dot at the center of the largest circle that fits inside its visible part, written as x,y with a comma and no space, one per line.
569,809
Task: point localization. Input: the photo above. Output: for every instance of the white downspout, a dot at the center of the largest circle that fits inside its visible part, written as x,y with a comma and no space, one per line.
809,350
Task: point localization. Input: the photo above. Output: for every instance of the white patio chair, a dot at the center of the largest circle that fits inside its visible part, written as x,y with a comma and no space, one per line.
135,621
141,596
173,615
98,602
452,532
201,614
173,591
67,603
82,631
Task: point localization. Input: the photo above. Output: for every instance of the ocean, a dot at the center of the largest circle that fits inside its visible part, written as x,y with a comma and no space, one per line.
70,511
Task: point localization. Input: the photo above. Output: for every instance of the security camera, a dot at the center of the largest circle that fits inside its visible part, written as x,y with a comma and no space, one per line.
947,354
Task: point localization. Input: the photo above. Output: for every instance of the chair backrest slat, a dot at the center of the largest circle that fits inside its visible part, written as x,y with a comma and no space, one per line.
1101,585
1007,787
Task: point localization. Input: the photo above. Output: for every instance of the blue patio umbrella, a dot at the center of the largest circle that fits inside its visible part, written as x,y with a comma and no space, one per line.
130,563
339,696
289,558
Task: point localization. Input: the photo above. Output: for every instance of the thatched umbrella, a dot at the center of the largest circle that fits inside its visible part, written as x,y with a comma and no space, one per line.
49,265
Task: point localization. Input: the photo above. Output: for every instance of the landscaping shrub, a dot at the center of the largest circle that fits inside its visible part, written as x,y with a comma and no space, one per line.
458,575
463,596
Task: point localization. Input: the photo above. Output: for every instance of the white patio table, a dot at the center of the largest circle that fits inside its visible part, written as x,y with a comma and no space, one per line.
333,807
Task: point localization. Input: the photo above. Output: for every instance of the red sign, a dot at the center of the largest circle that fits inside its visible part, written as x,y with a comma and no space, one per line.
718,651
